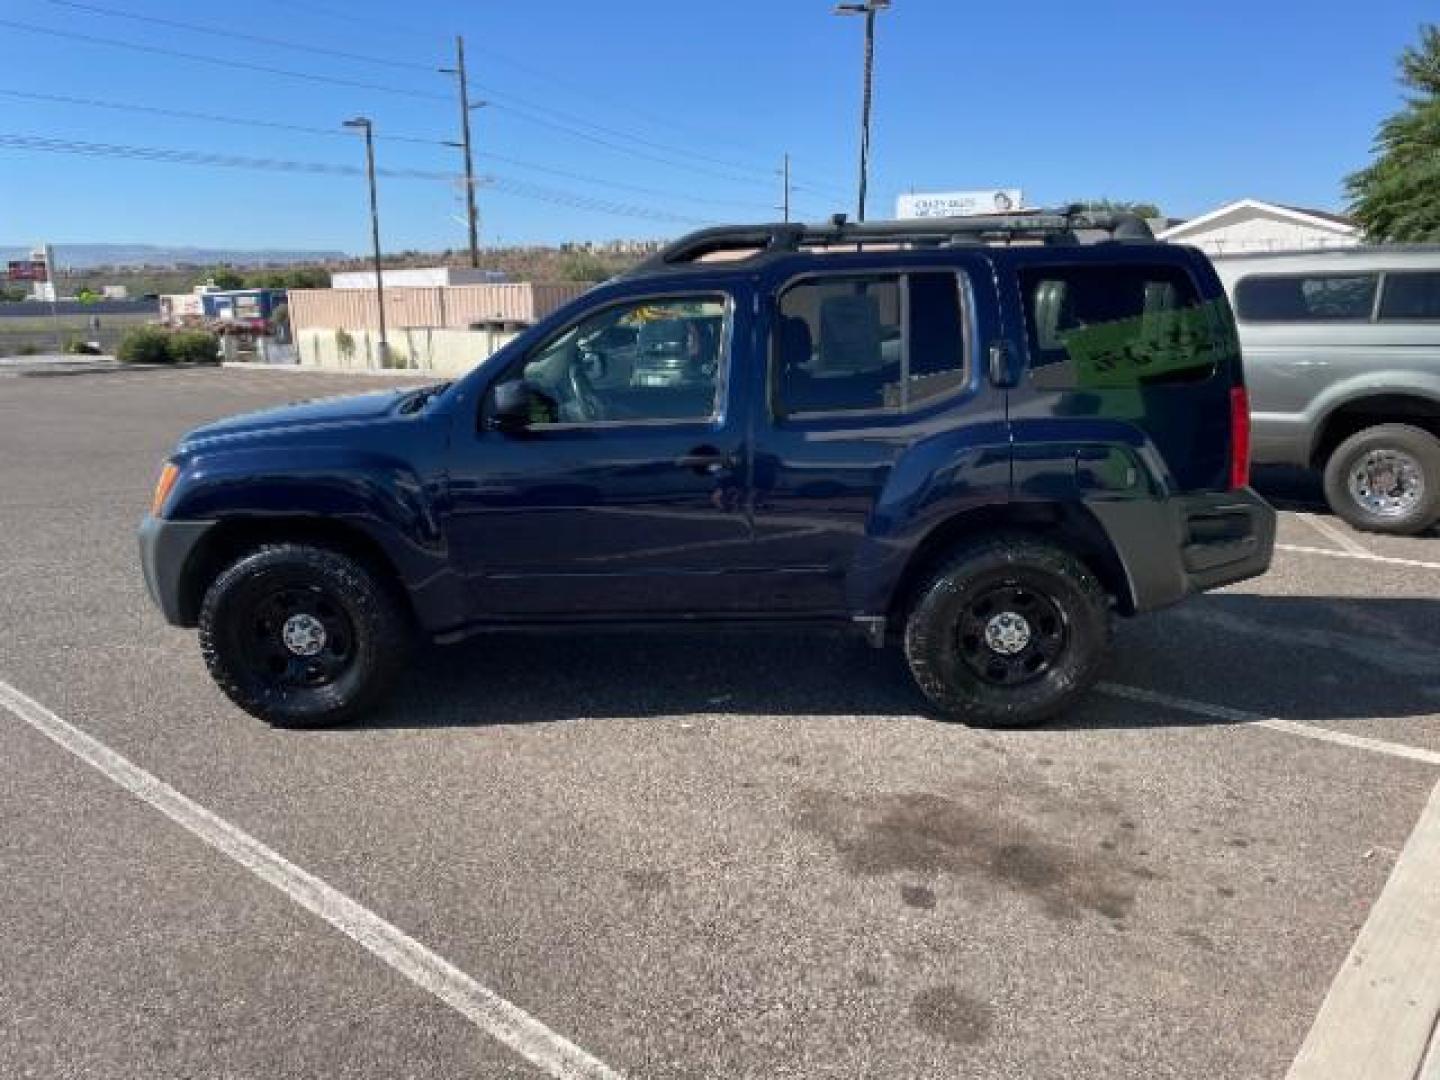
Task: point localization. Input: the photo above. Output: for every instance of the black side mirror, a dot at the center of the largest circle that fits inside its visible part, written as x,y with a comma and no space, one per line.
513,404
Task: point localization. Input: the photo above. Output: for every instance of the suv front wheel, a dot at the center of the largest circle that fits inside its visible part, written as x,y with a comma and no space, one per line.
1009,632
301,636
1386,479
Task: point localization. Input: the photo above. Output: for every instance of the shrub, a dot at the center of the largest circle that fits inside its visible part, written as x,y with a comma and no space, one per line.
345,345
29,350
194,347
144,345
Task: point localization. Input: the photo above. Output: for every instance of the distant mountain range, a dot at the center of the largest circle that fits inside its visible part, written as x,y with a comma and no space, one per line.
84,256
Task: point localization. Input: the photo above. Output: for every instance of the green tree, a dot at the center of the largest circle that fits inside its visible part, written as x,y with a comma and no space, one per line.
582,266
226,278
307,277
1397,197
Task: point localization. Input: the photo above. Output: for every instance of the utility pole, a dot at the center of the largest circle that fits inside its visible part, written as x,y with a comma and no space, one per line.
869,9
472,216
785,203
364,124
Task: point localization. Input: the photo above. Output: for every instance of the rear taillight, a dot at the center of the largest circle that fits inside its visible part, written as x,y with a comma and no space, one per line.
1239,438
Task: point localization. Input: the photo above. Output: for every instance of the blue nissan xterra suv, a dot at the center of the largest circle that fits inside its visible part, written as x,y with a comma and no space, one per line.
978,437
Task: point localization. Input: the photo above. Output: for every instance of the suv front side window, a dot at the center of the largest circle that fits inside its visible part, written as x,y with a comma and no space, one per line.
868,342
639,361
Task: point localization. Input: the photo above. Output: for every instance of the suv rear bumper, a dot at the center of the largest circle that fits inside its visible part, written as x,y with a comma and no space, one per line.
165,550
1172,548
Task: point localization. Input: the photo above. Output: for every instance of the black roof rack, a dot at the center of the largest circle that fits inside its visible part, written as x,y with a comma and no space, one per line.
748,242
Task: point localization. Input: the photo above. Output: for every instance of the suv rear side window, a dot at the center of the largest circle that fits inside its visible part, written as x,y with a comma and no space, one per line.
1118,326
868,342
1306,298
1410,296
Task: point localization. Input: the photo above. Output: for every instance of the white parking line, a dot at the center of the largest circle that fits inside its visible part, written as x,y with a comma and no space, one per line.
1289,727
1367,557
492,1014
1334,532
1380,1012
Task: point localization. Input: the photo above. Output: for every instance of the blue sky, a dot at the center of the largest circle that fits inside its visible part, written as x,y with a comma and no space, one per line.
678,110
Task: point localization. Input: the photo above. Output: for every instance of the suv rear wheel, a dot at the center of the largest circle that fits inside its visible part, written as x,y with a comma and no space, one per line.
1386,479
1009,632
301,636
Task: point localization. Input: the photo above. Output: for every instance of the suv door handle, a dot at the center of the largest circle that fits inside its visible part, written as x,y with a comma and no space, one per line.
706,460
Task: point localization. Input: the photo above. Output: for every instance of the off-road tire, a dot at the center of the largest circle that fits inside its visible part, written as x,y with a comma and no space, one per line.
933,628
1416,443
379,632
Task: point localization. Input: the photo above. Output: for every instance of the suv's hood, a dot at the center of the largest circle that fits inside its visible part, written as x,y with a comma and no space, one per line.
324,412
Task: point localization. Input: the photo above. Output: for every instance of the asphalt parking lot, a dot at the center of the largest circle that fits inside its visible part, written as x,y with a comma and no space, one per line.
714,856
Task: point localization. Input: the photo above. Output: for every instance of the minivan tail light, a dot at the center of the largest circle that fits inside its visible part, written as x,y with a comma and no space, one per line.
1239,438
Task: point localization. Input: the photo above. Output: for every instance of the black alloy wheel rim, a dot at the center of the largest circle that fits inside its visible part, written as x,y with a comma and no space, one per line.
298,639
1010,633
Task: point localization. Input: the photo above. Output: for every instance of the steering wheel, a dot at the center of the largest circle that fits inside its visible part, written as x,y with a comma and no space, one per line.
595,363
586,402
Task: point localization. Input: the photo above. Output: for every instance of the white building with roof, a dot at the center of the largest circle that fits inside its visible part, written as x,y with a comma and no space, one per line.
1250,225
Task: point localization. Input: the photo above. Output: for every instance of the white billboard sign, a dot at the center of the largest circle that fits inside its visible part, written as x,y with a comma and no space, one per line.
959,203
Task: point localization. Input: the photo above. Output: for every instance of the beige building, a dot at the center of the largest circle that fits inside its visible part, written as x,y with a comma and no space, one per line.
444,328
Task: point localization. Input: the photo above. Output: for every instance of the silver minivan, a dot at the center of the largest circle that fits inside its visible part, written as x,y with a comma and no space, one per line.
1342,361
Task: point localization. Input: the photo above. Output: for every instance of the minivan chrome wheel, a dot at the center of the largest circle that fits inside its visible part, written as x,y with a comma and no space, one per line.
1387,482
1386,479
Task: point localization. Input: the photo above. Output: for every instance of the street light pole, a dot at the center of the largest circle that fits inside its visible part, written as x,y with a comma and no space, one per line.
869,9
364,124
472,215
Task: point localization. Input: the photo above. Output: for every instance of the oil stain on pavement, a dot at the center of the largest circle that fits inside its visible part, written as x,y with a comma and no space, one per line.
928,835
945,1012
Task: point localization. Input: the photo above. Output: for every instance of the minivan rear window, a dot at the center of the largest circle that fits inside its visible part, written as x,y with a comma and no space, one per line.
1306,297
1119,326
1410,296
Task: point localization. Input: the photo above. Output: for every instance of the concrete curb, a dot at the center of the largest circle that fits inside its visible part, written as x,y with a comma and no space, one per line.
313,369
59,371
1378,1022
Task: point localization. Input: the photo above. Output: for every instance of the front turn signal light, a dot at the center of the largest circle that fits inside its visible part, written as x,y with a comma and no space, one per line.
168,475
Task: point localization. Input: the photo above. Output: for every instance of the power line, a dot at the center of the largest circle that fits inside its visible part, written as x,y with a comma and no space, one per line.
349,83
518,106
589,92
173,156
208,117
336,132
202,157
202,58
238,35
637,189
